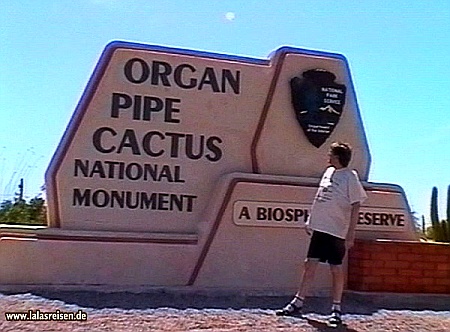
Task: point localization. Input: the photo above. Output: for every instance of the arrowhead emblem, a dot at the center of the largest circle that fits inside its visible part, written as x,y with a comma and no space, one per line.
318,103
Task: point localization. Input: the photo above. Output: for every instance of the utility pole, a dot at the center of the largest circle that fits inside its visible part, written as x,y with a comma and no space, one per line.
21,190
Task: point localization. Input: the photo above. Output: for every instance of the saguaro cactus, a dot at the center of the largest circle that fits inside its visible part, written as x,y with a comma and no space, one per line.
448,205
434,214
441,229
446,223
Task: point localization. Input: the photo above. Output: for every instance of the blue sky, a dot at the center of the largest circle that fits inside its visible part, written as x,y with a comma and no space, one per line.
399,55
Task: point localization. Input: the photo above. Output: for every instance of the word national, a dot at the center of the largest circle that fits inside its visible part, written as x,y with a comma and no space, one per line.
131,171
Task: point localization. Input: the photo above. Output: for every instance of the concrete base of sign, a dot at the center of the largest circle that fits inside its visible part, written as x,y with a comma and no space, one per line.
250,238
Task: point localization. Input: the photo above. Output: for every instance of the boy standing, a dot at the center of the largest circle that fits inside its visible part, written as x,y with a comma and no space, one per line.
334,215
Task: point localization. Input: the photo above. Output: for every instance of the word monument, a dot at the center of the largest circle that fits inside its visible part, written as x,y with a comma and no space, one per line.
186,168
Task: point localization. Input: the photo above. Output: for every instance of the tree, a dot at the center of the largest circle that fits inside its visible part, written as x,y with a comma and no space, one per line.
21,212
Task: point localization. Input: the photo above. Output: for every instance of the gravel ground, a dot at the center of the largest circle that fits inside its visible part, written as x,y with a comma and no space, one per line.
162,311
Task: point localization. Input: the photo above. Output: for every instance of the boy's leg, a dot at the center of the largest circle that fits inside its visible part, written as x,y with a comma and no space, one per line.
315,252
337,273
307,276
295,306
337,253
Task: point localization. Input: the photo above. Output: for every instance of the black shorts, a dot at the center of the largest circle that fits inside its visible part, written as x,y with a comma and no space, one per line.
326,248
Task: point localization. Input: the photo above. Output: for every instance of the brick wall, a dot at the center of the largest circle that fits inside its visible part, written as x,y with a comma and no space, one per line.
402,267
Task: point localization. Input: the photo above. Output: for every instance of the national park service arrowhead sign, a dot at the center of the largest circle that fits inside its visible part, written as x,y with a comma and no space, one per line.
318,103
158,127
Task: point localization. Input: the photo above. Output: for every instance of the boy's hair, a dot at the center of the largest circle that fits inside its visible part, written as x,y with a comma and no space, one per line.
343,151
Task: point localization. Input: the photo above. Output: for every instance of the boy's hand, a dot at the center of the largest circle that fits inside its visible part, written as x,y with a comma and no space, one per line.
349,242
308,230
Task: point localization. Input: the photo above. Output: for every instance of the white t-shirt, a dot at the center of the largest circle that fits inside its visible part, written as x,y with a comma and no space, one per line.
331,209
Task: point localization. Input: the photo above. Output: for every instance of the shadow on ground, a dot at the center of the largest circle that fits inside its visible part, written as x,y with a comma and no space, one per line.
322,326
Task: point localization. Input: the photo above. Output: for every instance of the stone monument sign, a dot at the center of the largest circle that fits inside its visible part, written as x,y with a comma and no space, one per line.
197,169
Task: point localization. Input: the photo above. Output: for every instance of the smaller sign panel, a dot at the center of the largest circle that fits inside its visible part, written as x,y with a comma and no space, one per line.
270,214
279,214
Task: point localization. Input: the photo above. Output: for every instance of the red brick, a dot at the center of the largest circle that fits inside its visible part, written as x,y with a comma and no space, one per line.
359,255
410,257
400,267
384,287
438,258
374,287
367,271
394,280
384,272
436,274
410,273
371,263
366,288
355,271
357,262
397,264
395,287
402,288
384,256
352,263
424,248
366,255
443,267
358,247
358,286
365,262
442,282
376,248
417,289
353,279
438,249
422,281
436,289
352,266
425,265
354,285
404,249
371,279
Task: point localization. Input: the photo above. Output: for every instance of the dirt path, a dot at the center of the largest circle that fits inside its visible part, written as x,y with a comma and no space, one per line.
206,319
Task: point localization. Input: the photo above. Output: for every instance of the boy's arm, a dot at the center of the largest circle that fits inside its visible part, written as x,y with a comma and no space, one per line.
350,239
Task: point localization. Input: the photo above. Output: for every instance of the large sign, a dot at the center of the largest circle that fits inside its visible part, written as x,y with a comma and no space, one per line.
157,127
210,162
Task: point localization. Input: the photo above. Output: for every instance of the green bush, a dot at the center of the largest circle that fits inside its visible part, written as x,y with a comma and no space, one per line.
25,213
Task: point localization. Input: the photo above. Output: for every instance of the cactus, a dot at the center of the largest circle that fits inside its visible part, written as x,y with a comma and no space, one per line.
434,206
441,229
448,216
434,214
448,205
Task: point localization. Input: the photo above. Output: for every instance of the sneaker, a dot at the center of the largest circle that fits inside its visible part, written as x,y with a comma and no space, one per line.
289,310
335,318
